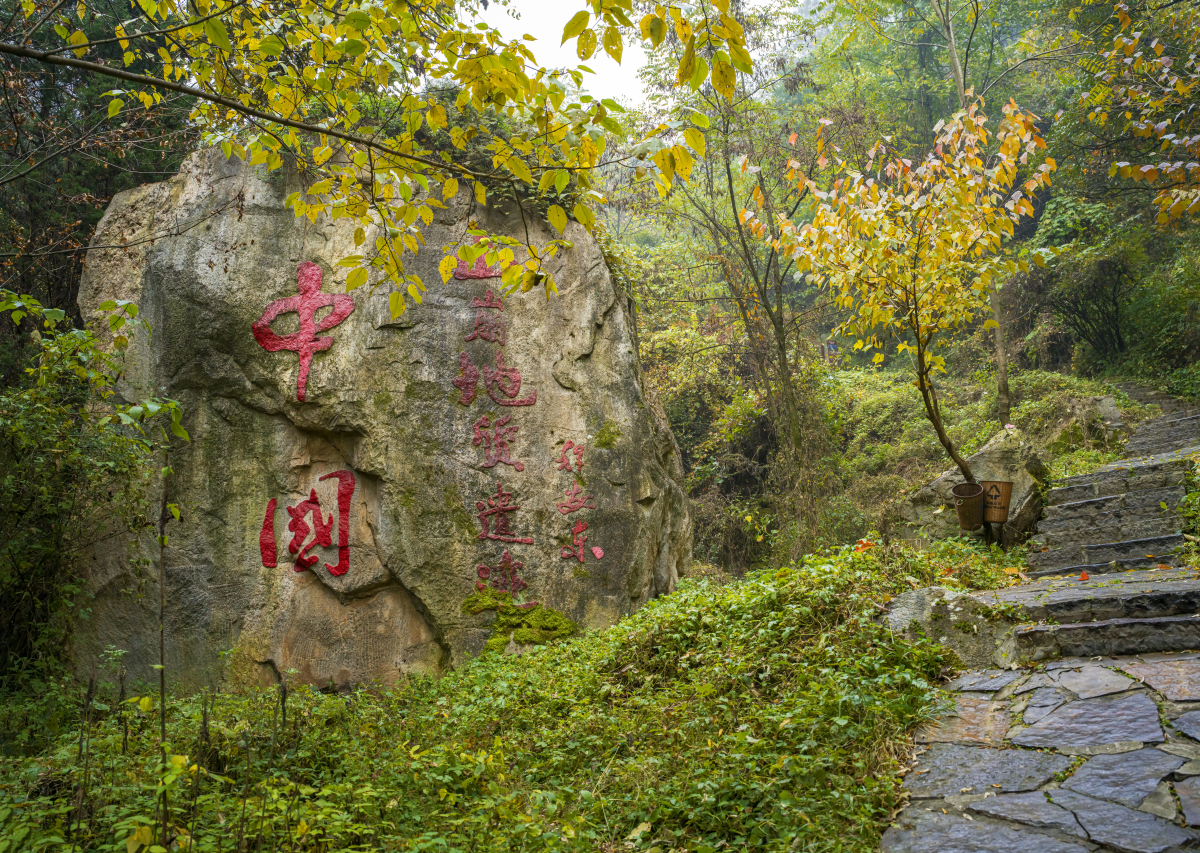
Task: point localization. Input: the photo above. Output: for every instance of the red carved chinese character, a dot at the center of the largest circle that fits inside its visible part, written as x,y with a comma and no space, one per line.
488,301
305,343
266,537
578,540
564,464
574,502
488,328
502,577
468,381
494,517
321,529
479,270
506,380
300,530
344,493
495,438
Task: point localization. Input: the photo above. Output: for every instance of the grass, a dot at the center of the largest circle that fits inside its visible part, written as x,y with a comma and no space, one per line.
889,447
770,713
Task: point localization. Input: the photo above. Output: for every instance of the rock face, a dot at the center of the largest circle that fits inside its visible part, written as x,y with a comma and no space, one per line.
351,479
1007,457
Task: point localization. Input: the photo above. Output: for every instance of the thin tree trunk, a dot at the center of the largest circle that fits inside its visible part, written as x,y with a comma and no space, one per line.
1003,398
934,413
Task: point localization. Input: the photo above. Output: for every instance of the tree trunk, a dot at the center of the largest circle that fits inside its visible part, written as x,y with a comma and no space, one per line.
1003,398
934,413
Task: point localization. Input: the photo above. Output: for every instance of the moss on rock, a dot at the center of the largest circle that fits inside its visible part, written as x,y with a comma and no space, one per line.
607,436
534,626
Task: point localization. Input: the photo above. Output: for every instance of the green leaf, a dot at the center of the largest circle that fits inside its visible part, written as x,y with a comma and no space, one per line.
575,26
216,33
358,19
272,45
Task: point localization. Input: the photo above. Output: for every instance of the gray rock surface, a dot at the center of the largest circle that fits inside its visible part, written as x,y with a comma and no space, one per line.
1042,702
953,767
1033,809
917,831
1121,828
1093,722
1006,457
988,681
1189,724
1092,681
380,403
1188,791
1178,680
1126,779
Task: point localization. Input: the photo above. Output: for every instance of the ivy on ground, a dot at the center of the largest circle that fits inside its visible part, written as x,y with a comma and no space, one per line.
768,714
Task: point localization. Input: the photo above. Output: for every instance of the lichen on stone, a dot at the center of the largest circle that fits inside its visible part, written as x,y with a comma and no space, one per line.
535,626
607,437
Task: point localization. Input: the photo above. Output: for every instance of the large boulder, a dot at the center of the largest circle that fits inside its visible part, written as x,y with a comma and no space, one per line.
361,494
929,513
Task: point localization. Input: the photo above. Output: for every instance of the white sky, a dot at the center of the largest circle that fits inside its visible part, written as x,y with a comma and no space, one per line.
544,20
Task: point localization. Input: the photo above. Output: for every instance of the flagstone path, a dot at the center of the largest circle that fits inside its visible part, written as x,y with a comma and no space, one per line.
1095,744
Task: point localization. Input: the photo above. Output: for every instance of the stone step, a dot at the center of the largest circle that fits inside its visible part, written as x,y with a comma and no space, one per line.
1127,595
1118,530
1153,445
1187,445
1126,565
1125,468
1144,500
1108,637
1104,552
1118,481
1178,420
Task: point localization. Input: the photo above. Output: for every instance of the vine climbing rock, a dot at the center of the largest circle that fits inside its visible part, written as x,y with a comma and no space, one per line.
366,496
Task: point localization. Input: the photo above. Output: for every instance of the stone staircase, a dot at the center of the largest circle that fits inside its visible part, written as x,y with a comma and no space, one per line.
1125,515
1096,747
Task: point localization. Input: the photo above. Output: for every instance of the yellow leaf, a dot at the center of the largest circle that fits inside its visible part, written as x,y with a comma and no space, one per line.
683,161
724,79
146,704
447,266
396,304
449,189
114,106
612,43
140,838
695,139
558,218
78,37
480,194
687,65
586,45
436,117
584,215
575,26
356,279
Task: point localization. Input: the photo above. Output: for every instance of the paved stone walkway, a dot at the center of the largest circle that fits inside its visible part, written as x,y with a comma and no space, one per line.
1082,754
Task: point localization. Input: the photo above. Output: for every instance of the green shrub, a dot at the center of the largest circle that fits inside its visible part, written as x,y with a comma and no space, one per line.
765,714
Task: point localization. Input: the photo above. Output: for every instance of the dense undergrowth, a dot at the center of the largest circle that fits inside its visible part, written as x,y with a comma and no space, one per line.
890,448
767,714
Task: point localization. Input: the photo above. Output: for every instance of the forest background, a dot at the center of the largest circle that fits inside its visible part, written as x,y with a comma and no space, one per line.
792,451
